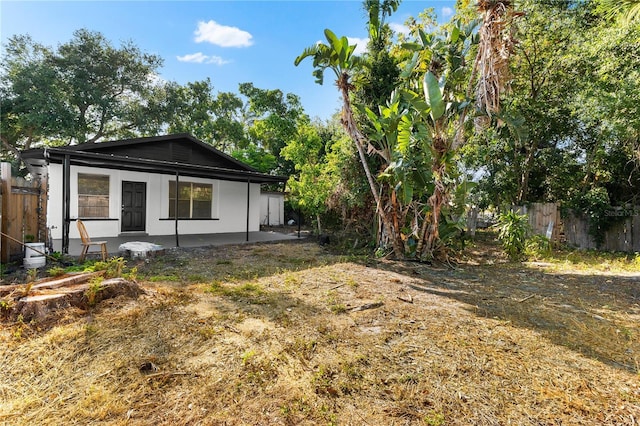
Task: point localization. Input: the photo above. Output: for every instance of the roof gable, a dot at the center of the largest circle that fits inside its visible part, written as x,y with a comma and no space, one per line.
179,148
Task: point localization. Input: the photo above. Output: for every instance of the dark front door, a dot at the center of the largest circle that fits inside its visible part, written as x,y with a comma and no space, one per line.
134,206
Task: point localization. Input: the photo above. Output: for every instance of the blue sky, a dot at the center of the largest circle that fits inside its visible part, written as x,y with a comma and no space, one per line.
230,42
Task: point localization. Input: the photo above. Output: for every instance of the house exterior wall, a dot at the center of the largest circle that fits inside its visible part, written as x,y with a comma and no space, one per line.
229,204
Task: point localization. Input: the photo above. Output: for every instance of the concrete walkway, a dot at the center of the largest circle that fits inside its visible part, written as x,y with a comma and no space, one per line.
167,241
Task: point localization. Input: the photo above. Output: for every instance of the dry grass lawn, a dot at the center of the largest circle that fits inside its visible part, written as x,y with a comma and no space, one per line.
291,334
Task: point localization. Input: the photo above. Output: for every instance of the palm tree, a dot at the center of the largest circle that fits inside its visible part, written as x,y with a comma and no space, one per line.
337,56
618,8
487,78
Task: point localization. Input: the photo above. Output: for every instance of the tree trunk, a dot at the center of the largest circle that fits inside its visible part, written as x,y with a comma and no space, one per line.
349,124
438,169
525,173
319,225
18,155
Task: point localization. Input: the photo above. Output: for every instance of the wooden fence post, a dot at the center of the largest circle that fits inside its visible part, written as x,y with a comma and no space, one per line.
5,188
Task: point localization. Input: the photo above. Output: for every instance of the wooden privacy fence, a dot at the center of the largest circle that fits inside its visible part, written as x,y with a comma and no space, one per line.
544,219
623,235
23,212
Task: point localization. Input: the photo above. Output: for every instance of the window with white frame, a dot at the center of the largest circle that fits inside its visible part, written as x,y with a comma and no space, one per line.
194,200
93,196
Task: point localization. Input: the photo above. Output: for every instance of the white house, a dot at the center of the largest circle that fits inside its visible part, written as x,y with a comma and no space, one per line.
128,187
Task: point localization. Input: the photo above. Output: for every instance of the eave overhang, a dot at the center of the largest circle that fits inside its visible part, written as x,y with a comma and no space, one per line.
44,156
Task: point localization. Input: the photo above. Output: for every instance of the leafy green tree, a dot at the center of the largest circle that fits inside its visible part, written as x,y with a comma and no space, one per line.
272,119
569,127
31,104
322,185
627,10
103,86
312,184
418,129
83,91
338,56
195,108
256,157
379,75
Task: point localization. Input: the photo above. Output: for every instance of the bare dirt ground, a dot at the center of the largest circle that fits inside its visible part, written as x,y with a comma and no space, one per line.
291,333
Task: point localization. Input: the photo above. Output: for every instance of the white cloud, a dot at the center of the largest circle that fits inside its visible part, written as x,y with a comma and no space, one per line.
361,44
446,12
222,35
399,28
200,58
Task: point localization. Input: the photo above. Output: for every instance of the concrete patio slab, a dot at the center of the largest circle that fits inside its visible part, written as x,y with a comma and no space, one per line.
168,241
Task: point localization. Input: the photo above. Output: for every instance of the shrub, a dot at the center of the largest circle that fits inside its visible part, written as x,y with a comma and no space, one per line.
55,271
538,246
513,230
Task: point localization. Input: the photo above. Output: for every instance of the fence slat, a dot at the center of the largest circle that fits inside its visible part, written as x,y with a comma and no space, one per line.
622,236
23,213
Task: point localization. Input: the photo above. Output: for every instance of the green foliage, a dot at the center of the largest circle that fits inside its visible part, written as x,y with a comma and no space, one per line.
434,418
95,285
248,291
322,158
433,95
628,11
595,206
131,274
161,278
196,109
56,271
334,304
574,93
256,157
92,89
272,119
513,231
56,255
336,55
538,247
113,267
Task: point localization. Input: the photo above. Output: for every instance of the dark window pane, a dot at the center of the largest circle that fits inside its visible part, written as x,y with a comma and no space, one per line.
202,209
185,190
184,207
194,200
201,192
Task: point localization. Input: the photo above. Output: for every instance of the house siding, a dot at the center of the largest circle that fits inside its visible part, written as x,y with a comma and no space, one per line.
229,209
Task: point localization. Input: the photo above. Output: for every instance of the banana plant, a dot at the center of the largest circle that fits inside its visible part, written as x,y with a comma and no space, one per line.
338,56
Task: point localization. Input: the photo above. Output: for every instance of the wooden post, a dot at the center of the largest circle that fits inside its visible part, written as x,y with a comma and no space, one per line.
472,221
5,190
